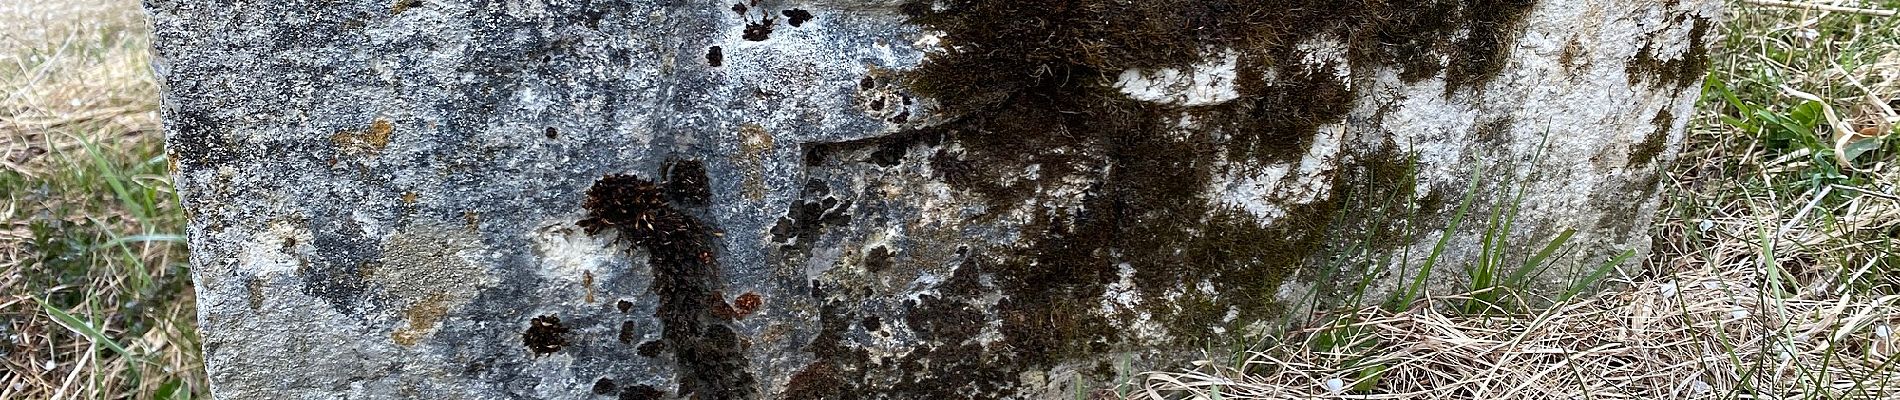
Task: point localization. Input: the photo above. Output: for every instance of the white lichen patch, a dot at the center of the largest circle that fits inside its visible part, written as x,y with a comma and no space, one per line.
1207,83
1267,192
569,254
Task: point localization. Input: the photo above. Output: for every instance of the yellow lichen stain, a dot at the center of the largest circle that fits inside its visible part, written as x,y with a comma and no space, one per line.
373,139
587,280
425,272
409,198
473,220
422,318
403,5
255,293
754,143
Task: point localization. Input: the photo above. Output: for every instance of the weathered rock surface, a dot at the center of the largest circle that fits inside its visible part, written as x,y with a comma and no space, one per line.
646,199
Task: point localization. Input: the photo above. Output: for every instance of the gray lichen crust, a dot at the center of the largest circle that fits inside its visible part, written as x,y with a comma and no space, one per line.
840,199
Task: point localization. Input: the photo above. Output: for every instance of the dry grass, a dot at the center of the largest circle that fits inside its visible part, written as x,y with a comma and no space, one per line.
94,298
1775,274
1704,334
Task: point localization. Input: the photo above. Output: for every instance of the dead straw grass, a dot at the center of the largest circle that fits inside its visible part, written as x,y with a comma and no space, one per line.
1703,334
74,72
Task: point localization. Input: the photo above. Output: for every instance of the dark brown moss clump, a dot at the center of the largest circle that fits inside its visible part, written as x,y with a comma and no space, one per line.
685,274
544,335
1653,146
1028,85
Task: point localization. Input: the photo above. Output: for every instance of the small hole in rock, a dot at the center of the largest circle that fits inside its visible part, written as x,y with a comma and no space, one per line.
715,57
604,386
650,349
552,133
628,332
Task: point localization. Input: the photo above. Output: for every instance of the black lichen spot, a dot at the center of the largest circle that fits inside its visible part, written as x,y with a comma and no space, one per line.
715,57
759,31
686,183
866,83
604,386
544,335
739,8
624,305
796,17
197,138
651,348
872,324
641,392
707,353
807,218
628,332
1653,146
551,133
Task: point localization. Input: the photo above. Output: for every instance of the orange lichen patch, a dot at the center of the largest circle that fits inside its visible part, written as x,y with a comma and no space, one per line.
422,318
403,5
375,138
747,303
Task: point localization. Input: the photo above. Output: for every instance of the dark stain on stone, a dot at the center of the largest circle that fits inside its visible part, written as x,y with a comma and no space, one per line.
707,354
197,139
1022,95
715,57
624,306
806,219
796,17
739,8
344,254
866,83
545,335
759,31
641,392
604,386
551,133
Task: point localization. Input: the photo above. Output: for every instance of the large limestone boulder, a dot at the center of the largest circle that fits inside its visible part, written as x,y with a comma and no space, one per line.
645,199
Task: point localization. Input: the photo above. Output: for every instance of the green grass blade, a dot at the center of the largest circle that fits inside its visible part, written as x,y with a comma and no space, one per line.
82,328
1604,270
